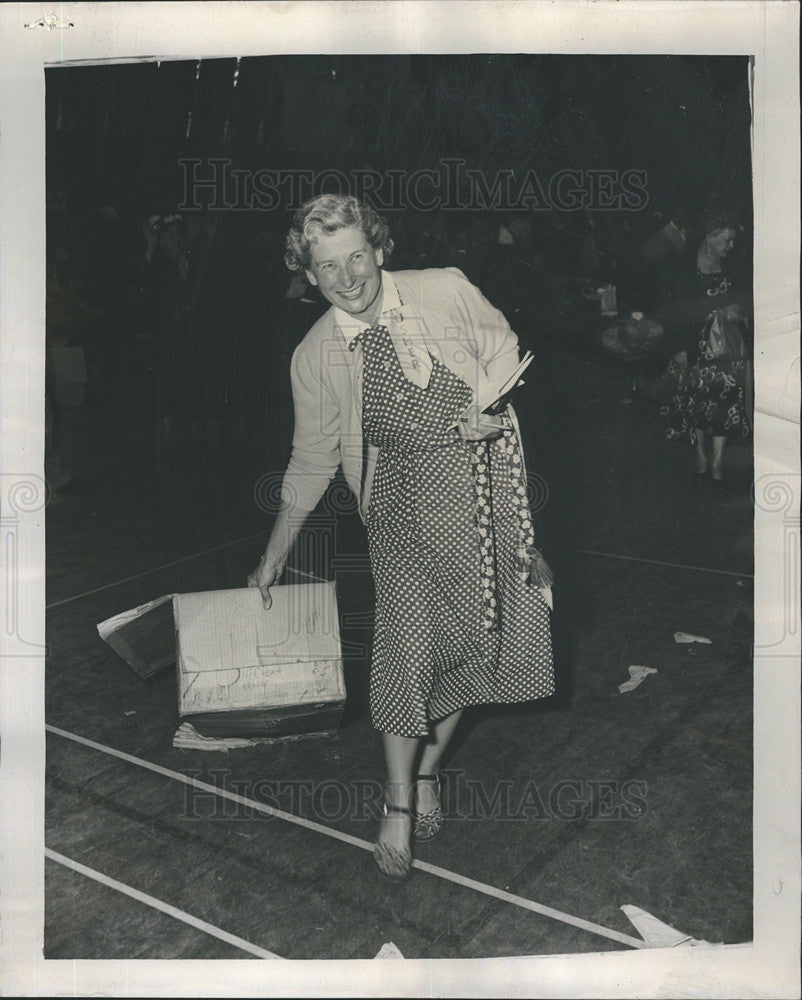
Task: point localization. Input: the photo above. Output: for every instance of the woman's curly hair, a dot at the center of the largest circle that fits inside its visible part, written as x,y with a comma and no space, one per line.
715,219
327,214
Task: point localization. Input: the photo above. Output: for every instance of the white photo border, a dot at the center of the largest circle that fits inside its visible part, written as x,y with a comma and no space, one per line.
34,36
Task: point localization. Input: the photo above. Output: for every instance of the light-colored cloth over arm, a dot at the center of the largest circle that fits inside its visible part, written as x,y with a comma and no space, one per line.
480,330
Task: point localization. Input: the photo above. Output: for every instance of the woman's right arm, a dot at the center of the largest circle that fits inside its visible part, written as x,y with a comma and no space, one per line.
282,538
313,463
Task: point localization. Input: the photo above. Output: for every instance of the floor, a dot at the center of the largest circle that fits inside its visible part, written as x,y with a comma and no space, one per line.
575,806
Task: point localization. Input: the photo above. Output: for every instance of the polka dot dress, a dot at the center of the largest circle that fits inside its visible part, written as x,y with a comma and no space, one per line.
457,621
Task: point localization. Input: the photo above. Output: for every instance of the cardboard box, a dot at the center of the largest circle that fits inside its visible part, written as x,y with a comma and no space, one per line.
245,671
242,671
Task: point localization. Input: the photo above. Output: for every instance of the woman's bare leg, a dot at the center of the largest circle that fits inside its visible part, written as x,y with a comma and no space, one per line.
399,754
442,731
717,463
701,454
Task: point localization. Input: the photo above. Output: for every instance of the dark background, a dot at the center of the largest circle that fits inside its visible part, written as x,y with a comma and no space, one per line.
211,339
115,133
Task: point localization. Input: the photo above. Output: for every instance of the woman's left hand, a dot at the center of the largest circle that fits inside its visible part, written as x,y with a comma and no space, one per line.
477,426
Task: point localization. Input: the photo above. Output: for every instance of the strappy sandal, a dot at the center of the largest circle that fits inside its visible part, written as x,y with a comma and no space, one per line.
392,863
429,824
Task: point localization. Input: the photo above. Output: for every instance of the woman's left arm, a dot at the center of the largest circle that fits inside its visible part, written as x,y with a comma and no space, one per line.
485,335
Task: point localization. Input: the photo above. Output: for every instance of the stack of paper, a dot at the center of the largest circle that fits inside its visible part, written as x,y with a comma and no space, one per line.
187,737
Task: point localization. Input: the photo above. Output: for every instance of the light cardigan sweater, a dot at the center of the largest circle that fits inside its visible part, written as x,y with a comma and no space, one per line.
454,322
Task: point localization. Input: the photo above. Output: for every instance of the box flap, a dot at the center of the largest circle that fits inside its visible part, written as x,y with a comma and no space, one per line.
110,625
144,636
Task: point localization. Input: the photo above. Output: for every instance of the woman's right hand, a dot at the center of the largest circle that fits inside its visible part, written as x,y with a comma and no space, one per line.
264,576
477,426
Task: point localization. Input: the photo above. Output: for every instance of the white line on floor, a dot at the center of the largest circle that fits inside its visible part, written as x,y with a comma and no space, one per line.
657,562
444,873
157,904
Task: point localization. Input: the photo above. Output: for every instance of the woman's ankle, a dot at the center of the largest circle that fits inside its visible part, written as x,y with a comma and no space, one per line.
398,794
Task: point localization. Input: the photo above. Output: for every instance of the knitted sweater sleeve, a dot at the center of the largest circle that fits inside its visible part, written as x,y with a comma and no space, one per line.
316,440
484,334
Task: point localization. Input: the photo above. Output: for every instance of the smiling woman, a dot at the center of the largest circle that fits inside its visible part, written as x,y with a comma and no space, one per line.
341,245
346,269
400,362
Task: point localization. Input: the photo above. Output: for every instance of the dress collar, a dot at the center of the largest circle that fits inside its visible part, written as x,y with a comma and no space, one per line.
351,327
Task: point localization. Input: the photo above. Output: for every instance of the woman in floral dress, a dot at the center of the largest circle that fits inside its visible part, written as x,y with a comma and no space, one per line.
706,312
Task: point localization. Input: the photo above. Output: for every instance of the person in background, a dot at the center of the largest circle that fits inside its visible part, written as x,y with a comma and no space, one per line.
642,276
706,313
669,243
388,384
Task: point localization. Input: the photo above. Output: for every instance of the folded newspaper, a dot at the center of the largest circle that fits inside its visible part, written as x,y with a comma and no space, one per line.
496,399
187,737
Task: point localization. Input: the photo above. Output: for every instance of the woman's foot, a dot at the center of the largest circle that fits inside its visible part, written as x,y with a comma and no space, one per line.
391,852
428,808
719,485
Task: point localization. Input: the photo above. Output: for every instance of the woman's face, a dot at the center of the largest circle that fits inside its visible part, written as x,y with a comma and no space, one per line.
721,241
345,268
170,240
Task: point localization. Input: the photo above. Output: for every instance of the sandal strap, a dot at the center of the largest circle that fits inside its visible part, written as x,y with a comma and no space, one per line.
428,777
397,809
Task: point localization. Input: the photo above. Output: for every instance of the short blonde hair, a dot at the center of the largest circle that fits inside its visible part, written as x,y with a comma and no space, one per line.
327,214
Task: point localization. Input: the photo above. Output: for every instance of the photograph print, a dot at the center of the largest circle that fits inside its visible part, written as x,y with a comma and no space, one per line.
400,552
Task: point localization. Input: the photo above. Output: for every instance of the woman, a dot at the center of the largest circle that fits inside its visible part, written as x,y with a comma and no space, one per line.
705,314
388,384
